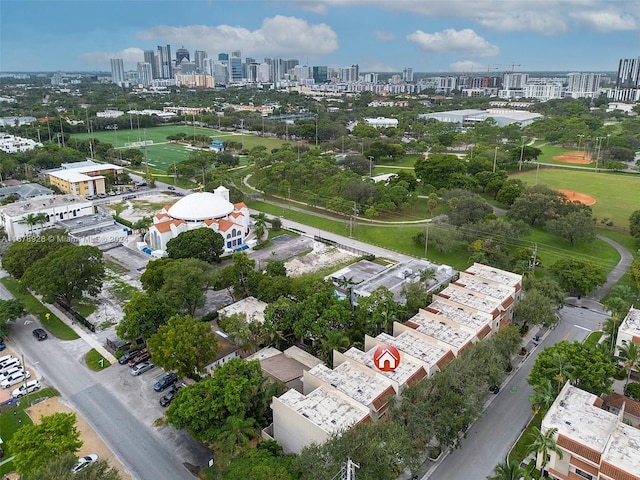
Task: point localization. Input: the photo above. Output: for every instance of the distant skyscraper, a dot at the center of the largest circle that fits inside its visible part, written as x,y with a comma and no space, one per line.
165,64
514,81
199,56
151,59
235,66
145,73
628,80
350,74
181,54
320,74
407,75
583,84
117,71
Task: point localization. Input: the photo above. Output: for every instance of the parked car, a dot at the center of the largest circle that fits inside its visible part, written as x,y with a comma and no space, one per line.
2,345
168,397
128,356
5,359
140,368
171,187
12,362
7,372
495,389
15,378
166,381
84,462
139,358
29,387
40,334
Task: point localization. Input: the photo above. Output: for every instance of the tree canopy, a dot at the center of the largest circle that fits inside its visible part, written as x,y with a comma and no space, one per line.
23,253
60,467
184,345
202,243
69,272
38,444
578,277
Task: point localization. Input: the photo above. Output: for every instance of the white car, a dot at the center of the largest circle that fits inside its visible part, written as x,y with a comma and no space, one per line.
4,358
84,462
7,372
11,362
29,387
17,377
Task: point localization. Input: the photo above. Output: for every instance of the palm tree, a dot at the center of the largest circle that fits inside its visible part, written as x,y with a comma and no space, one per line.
543,396
542,444
610,328
260,226
236,433
563,368
509,471
334,340
30,220
631,356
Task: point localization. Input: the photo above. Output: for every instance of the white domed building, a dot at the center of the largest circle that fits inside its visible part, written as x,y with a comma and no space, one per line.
201,210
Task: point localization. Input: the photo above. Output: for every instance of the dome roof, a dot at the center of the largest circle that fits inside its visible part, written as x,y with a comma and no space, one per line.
200,206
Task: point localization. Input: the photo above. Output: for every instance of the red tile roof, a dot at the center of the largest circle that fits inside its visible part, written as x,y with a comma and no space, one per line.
224,225
164,227
239,205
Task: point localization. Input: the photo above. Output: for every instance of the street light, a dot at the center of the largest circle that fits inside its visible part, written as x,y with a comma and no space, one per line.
370,163
242,132
495,158
521,154
599,147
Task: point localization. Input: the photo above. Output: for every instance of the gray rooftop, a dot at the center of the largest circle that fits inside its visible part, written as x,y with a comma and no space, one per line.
500,276
477,301
401,375
480,285
355,273
462,314
250,306
416,346
624,448
35,205
25,191
631,323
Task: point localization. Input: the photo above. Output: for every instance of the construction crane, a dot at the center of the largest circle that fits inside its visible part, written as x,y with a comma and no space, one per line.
512,65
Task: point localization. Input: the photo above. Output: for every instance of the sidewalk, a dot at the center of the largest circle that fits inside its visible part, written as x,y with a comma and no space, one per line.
90,338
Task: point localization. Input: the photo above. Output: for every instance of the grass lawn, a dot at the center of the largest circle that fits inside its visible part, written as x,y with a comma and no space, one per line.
53,324
519,451
592,339
615,194
161,155
552,248
550,151
93,359
14,419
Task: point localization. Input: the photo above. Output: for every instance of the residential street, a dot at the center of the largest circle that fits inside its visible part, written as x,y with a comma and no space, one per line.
491,437
146,451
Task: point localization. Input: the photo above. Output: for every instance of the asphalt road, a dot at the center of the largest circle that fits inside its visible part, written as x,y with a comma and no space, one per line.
147,452
492,436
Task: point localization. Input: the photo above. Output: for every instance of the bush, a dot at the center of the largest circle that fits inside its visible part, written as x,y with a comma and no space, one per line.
633,390
210,316
621,374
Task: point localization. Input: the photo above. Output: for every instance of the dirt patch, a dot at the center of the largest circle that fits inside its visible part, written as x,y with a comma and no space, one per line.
574,156
92,443
322,256
580,197
146,206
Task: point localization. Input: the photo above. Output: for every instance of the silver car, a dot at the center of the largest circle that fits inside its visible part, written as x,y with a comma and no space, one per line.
141,368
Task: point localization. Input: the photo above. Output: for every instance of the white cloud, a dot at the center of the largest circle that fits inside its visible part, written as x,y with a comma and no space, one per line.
467,66
278,36
313,7
605,21
375,65
458,42
130,56
384,36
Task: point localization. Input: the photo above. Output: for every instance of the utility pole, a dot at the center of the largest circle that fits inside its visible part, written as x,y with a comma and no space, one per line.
289,191
534,255
426,242
495,158
370,163
348,470
242,132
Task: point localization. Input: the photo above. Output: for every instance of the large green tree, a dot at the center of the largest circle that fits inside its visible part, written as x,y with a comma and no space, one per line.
261,463
577,226
59,468
69,272
184,345
578,277
37,444
634,225
438,170
143,314
236,388
587,368
201,243
185,283
23,253
536,308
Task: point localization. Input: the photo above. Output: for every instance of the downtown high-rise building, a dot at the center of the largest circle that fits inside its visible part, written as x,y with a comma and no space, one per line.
320,74
145,73
165,63
181,54
117,71
628,80
199,57
407,75
581,85
235,66
150,58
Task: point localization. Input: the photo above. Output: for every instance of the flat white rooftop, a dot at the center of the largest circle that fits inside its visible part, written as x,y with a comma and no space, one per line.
401,375
472,299
623,449
416,346
330,410
447,333
73,176
364,387
480,285
250,306
47,204
631,323
501,276
473,320
575,416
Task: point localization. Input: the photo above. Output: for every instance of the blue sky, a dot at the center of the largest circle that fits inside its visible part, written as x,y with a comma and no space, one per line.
427,35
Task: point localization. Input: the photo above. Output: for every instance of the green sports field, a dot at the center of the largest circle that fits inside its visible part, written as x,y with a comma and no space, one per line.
616,195
162,154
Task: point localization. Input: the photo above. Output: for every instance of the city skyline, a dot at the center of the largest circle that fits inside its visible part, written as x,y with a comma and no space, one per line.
456,36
